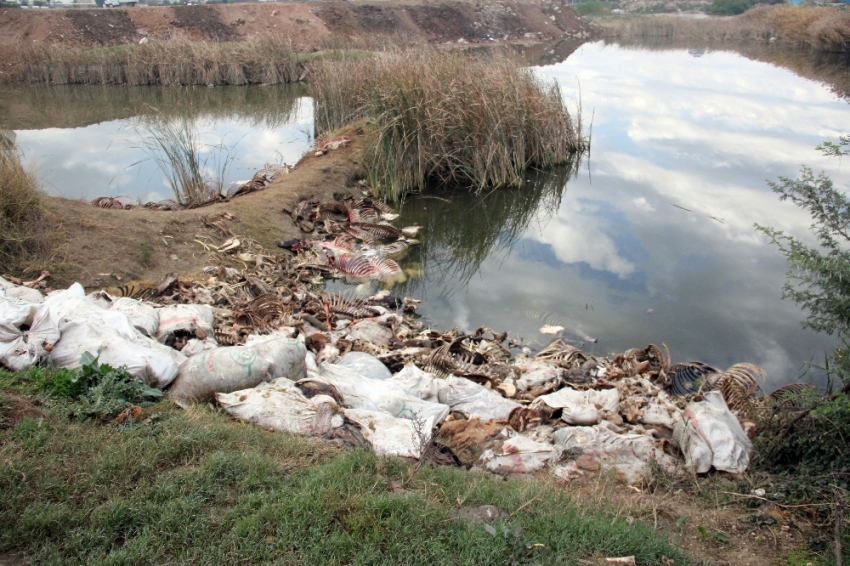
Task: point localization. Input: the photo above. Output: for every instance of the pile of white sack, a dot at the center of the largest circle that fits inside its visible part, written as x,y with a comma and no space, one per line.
274,382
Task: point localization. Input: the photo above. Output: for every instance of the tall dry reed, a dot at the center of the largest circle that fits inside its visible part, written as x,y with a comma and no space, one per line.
28,238
822,28
446,116
176,62
194,170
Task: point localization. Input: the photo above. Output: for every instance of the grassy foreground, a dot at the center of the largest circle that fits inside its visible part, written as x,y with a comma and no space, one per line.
196,487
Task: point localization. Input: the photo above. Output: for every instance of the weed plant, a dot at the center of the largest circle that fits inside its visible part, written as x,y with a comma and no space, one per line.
179,487
445,116
176,62
29,241
195,171
821,28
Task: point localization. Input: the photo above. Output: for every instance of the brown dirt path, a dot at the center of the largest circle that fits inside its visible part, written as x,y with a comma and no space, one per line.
106,248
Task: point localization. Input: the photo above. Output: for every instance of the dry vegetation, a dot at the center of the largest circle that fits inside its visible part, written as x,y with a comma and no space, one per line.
177,62
822,28
450,117
28,239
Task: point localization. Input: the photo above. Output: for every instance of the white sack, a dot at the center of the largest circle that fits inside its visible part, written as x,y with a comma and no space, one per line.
519,455
372,332
143,317
279,405
194,347
20,292
660,411
72,304
184,317
580,407
421,384
142,360
375,395
391,436
14,313
537,374
102,299
468,397
228,369
365,364
28,348
628,454
710,435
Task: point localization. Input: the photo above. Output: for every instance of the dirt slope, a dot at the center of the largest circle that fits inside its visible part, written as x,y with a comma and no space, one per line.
307,24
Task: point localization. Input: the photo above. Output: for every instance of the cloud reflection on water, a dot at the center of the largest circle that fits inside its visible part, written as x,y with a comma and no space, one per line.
670,132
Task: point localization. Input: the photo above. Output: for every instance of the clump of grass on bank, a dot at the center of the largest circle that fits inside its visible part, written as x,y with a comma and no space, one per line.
176,62
446,116
176,148
822,28
176,487
28,238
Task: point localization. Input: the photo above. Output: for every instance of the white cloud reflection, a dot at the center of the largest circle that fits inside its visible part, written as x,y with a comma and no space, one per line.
663,220
109,159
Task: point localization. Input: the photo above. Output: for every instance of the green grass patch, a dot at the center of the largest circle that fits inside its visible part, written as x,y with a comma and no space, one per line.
181,487
592,8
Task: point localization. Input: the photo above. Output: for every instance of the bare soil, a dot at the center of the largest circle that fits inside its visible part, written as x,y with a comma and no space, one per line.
109,248
307,25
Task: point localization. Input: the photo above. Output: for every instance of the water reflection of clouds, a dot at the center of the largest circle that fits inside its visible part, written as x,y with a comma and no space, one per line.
673,131
107,159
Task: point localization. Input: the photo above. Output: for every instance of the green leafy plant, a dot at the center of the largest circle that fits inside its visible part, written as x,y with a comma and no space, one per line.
728,7
106,391
146,254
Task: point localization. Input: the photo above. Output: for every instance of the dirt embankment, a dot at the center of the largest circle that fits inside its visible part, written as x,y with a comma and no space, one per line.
109,248
307,25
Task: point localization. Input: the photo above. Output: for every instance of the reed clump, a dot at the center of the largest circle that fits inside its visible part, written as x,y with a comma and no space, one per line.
28,237
446,117
194,170
821,28
175,62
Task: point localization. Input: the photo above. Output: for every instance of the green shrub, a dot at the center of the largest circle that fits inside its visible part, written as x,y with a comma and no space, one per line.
592,8
815,448
728,7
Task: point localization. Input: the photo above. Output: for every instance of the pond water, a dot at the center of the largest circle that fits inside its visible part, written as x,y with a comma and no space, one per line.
650,239
653,240
87,142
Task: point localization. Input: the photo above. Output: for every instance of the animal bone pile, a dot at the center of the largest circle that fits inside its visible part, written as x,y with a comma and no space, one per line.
259,181
260,336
